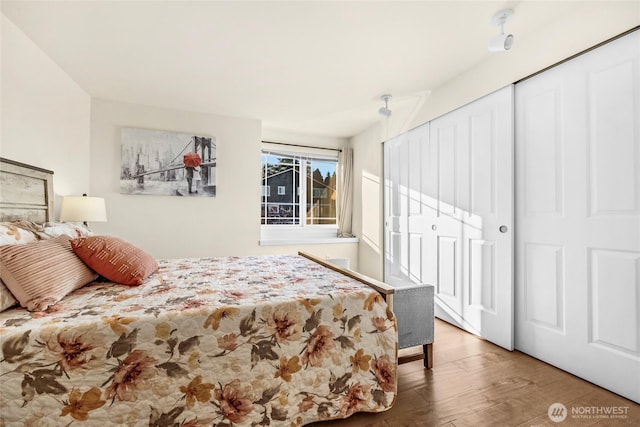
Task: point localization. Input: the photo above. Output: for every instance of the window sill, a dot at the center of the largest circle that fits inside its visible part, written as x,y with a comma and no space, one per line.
308,241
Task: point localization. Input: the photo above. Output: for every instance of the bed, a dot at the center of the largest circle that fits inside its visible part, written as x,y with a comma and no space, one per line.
231,341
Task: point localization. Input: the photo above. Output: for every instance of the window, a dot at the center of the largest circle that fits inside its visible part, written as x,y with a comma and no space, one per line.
306,186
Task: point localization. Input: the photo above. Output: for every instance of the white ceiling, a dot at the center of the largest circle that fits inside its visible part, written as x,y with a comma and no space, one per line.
306,67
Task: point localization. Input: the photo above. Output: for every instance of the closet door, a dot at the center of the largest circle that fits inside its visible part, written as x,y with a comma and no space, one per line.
470,237
395,204
578,216
449,214
404,208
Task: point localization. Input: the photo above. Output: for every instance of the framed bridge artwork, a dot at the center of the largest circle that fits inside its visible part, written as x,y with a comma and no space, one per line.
166,163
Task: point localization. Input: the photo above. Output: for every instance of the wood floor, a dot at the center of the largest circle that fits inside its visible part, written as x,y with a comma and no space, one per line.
475,383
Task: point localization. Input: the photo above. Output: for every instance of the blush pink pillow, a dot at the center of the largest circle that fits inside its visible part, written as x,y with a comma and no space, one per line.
6,297
39,274
115,259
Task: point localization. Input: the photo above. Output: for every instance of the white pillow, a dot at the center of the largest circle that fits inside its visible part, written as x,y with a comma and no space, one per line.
55,229
16,233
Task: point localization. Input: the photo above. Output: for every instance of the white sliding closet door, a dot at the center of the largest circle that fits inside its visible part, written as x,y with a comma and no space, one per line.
406,207
473,226
395,205
578,216
449,214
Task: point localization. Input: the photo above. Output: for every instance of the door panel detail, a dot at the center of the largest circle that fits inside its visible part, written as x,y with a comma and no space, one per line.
543,283
615,299
614,156
482,280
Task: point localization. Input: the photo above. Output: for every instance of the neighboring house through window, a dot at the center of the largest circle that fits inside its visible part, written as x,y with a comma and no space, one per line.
298,193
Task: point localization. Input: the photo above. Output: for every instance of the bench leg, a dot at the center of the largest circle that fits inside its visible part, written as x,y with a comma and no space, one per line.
428,355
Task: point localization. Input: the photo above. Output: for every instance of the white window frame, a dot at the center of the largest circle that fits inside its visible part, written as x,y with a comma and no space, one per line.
302,233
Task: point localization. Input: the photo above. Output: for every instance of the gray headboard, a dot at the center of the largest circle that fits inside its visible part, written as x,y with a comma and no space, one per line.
26,192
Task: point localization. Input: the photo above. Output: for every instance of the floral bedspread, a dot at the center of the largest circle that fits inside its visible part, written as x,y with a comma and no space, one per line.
266,340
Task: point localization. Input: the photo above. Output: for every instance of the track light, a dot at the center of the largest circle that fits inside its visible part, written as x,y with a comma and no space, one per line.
502,42
385,111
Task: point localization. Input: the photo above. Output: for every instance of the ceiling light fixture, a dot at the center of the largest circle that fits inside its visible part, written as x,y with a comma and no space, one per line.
502,42
385,111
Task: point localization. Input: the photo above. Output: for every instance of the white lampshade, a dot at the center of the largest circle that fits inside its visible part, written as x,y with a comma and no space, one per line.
83,209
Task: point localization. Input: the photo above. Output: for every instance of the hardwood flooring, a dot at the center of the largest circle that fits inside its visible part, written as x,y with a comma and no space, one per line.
475,383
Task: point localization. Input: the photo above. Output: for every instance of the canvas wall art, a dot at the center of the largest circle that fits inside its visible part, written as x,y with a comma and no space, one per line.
167,163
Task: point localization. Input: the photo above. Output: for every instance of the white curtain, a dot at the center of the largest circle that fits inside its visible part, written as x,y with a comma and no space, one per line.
345,192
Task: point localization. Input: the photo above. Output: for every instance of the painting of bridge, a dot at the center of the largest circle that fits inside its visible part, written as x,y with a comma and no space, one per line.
156,162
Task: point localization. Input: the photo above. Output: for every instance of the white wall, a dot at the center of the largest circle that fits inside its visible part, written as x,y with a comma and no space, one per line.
47,120
175,227
45,115
367,200
589,24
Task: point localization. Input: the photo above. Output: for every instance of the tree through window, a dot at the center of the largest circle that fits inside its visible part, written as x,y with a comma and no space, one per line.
298,190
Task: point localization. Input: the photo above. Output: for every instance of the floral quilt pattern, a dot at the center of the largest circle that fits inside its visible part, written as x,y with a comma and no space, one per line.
235,341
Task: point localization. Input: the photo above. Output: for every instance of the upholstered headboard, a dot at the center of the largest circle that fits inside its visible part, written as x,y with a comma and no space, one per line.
26,192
